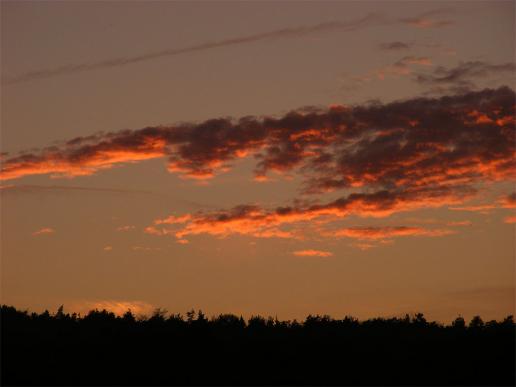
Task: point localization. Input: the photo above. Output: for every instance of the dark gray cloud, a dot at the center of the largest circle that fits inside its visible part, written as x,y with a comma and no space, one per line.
449,142
395,46
464,76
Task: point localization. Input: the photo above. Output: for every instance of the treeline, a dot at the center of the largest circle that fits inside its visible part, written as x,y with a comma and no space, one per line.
101,348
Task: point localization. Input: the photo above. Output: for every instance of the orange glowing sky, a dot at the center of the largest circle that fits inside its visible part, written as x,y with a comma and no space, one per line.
284,159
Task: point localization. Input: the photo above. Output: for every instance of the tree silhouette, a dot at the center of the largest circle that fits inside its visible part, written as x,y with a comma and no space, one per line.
102,348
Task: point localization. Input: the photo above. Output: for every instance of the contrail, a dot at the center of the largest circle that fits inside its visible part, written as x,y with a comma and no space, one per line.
281,33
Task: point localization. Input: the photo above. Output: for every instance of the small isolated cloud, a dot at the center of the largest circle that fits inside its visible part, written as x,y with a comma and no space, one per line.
395,46
481,208
364,246
125,228
108,248
459,223
510,219
402,67
183,241
144,248
312,253
44,230
428,19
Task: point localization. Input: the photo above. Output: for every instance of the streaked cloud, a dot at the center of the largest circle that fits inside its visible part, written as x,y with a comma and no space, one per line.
429,19
395,46
379,233
424,20
292,32
125,228
295,222
312,253
464,76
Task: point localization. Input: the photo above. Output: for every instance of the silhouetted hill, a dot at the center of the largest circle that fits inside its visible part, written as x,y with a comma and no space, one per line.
103,349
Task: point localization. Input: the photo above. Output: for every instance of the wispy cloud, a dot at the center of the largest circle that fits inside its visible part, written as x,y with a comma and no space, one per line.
125,228
352,25
312,253
464,76
302,222
429,19
424,20
32,188
379,233
395,46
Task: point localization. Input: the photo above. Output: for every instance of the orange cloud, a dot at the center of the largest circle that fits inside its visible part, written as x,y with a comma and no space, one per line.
312,253
459,223
482,208
296,222
381,233
508,201
44,230
459,140
510,219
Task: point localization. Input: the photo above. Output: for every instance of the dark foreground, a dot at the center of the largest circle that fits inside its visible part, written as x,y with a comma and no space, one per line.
101,349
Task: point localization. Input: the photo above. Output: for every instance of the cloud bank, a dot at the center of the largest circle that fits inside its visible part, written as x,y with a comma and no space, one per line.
401,156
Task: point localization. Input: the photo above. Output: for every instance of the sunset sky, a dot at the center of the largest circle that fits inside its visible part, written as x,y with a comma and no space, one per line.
272,158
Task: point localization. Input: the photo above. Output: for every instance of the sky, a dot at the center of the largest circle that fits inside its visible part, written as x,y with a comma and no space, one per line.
271,158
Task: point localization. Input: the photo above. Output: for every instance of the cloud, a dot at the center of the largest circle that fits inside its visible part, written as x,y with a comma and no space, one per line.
380,233
312,253
401,67
368,20
300,222
427,20
508,201
482,208
372,19
145,248
510,219
44,230
463,77
459,223
125,228
456,140
395,46
401,156
108,248
39,189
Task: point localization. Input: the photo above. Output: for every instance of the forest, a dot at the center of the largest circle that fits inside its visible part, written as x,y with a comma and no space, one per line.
101,348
